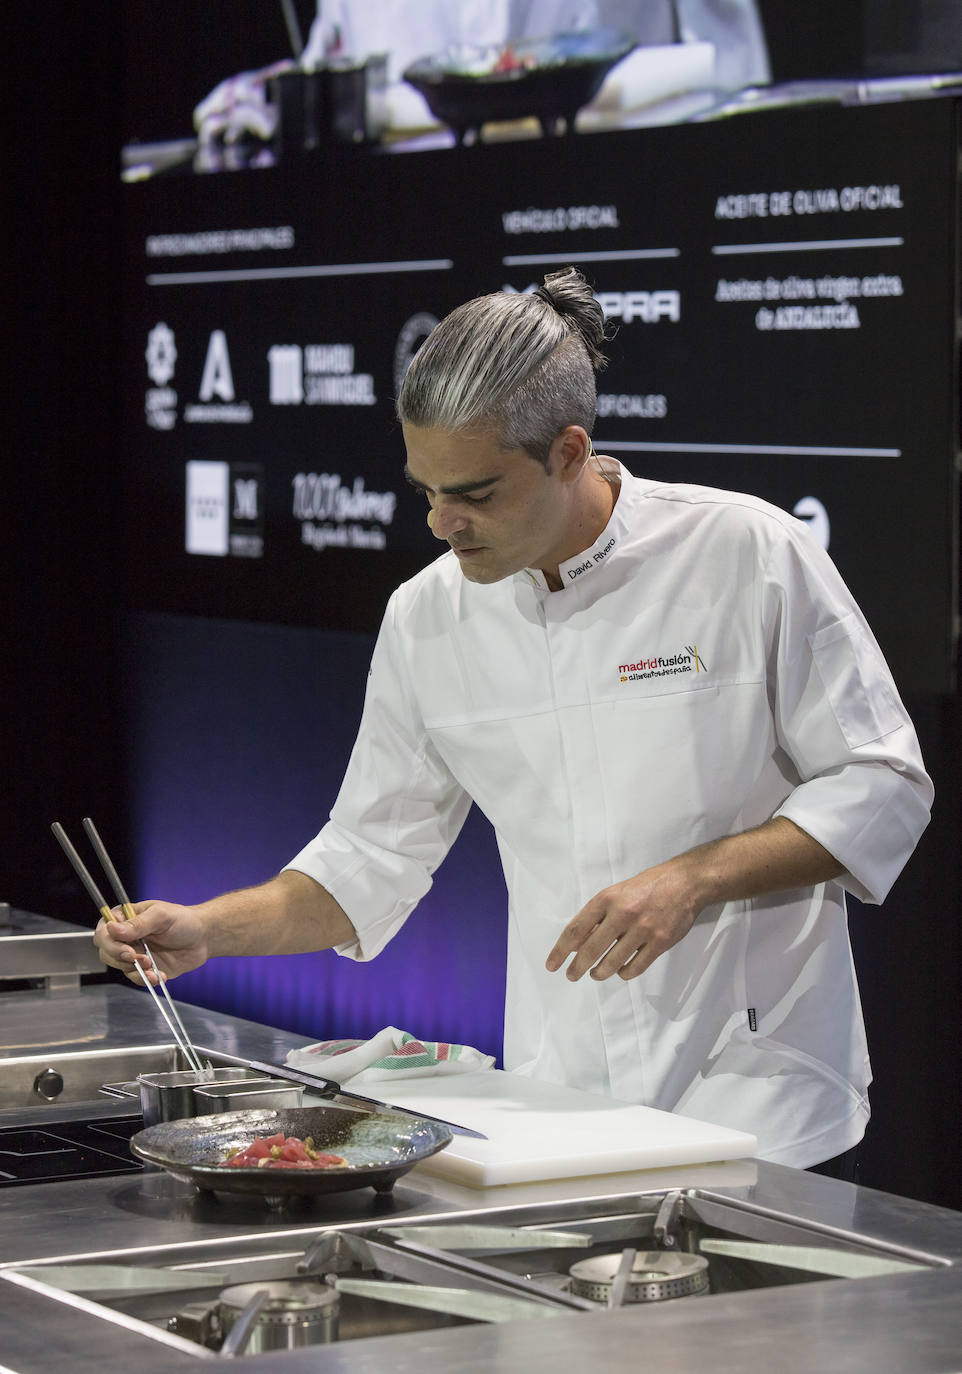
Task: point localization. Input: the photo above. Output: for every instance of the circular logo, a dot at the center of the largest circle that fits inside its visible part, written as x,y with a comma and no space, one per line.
410,339
161,354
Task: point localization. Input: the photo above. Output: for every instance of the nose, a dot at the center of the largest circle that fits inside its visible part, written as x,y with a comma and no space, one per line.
443,521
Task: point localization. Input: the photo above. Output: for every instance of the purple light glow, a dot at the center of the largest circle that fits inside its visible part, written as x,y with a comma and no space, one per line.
236,752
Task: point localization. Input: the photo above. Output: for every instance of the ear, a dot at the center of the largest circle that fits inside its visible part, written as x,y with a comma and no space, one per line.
569,453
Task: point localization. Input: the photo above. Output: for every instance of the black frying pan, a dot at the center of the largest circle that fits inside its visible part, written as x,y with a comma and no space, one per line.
557,77
379,1148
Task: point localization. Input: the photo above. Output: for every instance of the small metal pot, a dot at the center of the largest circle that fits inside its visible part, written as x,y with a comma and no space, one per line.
170,1096
213,1098
316,108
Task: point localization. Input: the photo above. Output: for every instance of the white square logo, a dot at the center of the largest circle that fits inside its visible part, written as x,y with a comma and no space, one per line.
208,508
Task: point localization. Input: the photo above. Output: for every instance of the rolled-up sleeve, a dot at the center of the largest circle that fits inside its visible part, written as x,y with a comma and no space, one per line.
397,814
864,793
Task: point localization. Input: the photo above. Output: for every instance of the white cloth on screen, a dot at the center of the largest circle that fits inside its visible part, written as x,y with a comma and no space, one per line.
703,669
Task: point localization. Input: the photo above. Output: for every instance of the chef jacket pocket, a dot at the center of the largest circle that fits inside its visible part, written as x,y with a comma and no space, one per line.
856,681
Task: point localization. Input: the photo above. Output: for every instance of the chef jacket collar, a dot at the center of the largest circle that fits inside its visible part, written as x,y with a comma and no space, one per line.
576,569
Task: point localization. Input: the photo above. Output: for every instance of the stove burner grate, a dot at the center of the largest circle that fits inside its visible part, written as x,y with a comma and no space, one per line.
654,1277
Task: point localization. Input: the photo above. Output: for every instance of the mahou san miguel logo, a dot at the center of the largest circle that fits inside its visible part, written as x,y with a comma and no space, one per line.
686,660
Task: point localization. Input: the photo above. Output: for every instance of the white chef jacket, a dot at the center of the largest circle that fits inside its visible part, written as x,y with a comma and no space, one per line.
703,669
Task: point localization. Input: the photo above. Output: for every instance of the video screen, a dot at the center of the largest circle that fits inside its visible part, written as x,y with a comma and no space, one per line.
772,257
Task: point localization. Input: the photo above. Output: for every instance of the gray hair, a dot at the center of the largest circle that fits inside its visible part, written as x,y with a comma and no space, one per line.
522,365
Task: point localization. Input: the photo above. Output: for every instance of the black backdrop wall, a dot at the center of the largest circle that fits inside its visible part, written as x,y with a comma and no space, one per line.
61,582
64,689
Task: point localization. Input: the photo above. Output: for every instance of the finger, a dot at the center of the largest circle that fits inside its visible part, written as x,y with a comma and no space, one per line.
119,927
605,935
123,957
612,960
137,967
113,936
144,974
127,962
122,929
567,942
575,933
642,959
628,957
122,932
596,948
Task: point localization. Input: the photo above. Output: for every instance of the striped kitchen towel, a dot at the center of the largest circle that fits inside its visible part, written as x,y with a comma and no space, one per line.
392,1053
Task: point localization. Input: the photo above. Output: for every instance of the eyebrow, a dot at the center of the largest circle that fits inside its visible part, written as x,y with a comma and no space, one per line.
460,489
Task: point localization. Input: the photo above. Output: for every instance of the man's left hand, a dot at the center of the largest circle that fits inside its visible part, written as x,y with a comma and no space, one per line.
624,928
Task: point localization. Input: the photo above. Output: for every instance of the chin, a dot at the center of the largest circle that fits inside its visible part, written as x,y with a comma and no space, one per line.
483,572
482,576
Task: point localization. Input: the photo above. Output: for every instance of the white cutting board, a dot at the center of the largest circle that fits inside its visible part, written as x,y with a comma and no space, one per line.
539,1131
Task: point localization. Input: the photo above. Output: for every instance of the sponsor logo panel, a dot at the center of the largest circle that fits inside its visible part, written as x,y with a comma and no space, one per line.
318,375
218,403
334,513
224,509
160,401
208,496
628,307
413,333
321,374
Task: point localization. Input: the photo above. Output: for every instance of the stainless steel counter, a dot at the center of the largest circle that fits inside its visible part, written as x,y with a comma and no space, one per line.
109,1016
53,952
906,1321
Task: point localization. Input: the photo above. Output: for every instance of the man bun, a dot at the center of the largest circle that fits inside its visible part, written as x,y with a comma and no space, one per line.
568,292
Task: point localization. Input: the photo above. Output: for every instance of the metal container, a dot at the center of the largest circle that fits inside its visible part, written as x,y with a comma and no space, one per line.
320,107
171,1097
213,1098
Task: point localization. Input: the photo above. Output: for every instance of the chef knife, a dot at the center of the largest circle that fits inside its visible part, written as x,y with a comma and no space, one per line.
328,1088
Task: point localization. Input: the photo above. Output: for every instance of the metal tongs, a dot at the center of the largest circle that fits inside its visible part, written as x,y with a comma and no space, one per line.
169,1011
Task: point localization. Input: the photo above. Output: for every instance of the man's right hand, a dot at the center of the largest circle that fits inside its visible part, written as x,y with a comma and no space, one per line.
177,937
289,914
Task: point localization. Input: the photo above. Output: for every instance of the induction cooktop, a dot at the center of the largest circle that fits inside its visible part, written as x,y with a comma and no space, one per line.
68,1150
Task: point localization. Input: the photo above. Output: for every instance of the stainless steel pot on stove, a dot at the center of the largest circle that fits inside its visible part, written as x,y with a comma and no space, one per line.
170,1096
187,1093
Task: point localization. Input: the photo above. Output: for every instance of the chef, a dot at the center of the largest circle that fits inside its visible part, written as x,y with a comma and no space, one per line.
672,711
